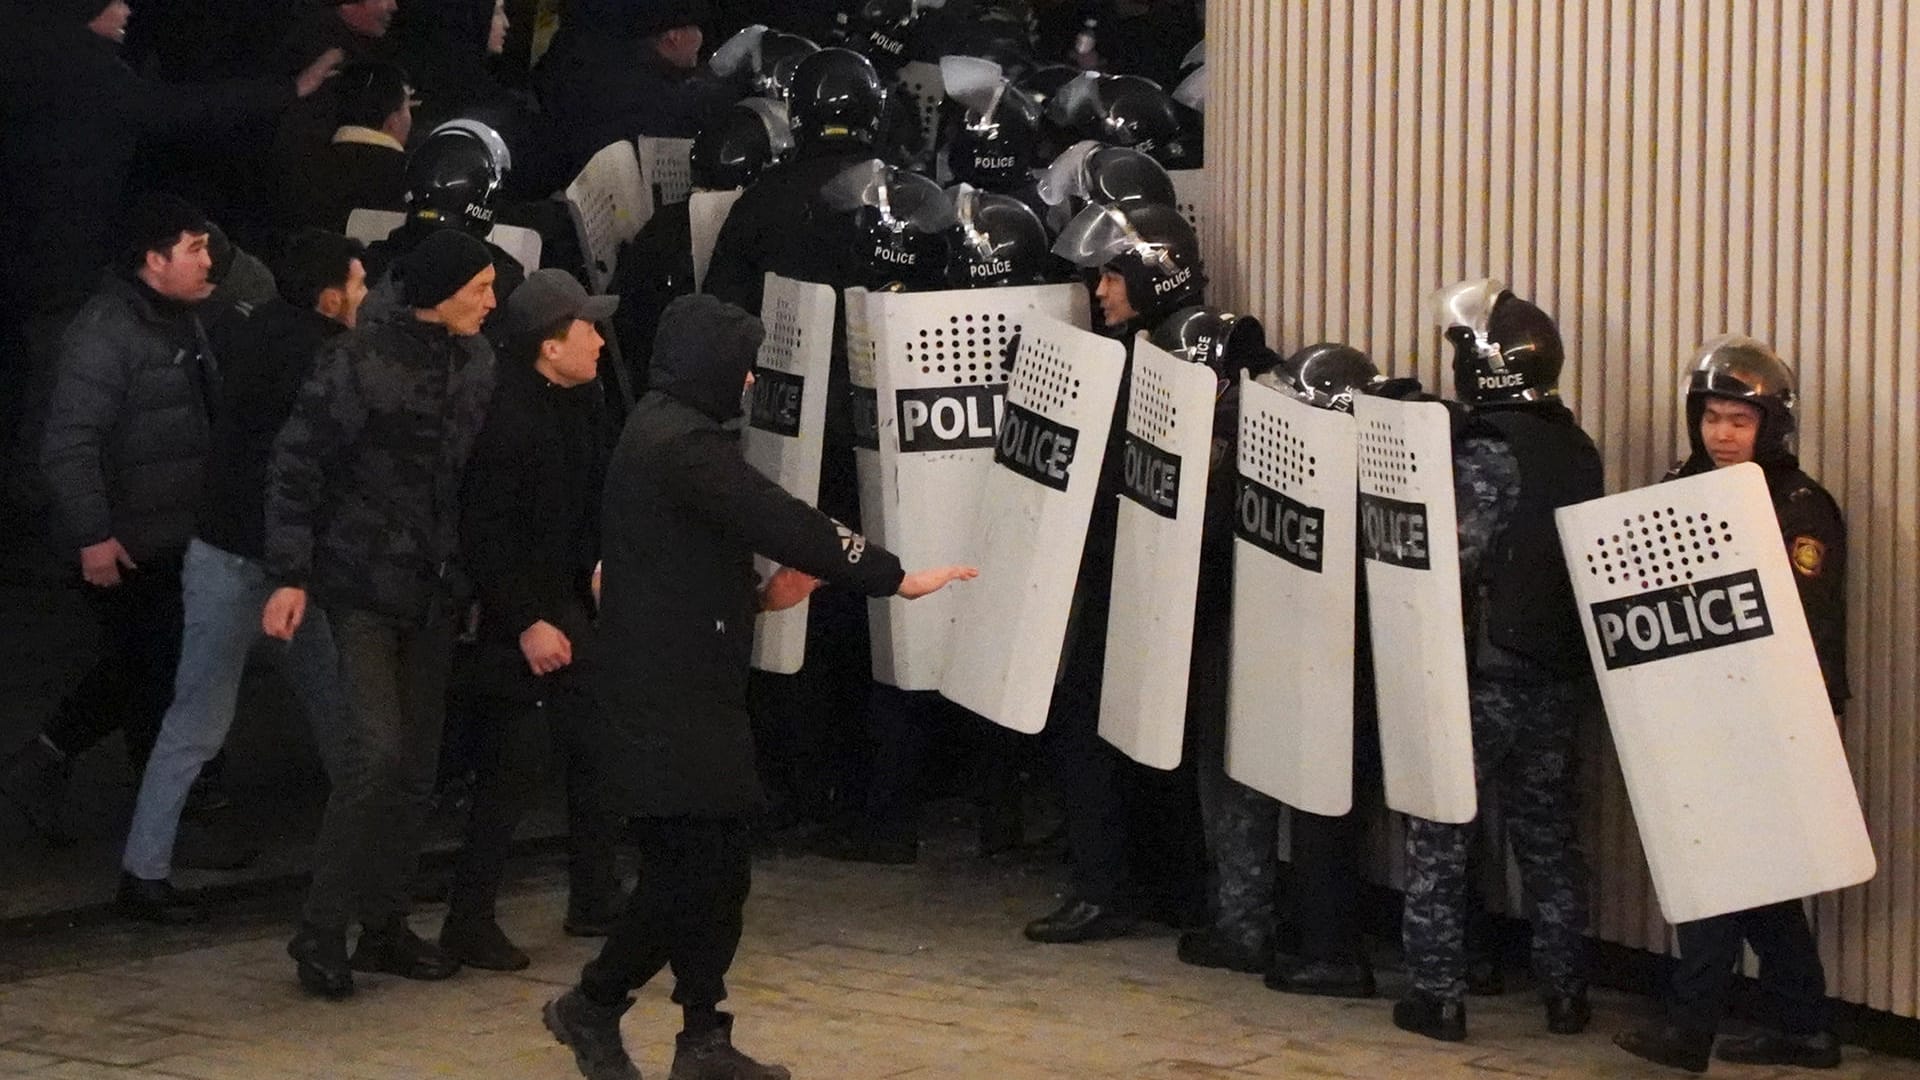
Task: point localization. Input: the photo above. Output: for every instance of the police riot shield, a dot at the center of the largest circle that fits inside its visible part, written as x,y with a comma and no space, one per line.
1193,197
1409,538
664,168
1166,455
927,91
1732,759
941,370
706,212
873,475
786,430
1032,524
1290,685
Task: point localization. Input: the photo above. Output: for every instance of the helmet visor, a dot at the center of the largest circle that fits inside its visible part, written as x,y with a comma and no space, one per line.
1095,237
779,128
1192,91
1066,178
899,196
739,53
973,82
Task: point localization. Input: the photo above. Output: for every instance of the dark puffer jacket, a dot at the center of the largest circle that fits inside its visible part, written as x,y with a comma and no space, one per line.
363,496
125,445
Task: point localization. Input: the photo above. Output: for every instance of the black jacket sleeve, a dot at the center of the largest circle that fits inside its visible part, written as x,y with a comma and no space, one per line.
327,420
496,547
1816,539
706,475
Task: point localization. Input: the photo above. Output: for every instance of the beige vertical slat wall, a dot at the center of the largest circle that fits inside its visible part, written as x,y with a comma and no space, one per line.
1654,173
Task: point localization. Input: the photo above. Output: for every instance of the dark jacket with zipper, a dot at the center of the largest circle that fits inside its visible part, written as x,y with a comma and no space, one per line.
363,495
125,444
684,514
266,356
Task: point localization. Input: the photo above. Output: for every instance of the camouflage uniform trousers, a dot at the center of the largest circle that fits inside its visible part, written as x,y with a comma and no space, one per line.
1524,739
1242,825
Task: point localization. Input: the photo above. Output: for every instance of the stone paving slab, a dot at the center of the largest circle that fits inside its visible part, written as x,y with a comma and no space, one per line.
847,972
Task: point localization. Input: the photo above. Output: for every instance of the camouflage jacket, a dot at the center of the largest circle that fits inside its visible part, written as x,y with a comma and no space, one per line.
363,494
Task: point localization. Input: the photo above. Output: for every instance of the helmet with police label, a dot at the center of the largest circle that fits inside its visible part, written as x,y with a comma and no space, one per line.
994,240
1505,350
836,94
1131,111
1151,247
1329,375
761,61
1089,171
738,144
1223,341
1736,368
901,220
885,30
453,175
997,139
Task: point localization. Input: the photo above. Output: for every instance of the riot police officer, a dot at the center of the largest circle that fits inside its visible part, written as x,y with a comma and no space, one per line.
1148,263
994,142
996,240
1740,408
1518,455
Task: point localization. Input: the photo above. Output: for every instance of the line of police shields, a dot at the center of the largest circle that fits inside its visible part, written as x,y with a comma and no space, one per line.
1684,588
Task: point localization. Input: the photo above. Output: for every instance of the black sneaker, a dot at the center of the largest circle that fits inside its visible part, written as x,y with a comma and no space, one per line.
1669,1045
710,1055
1212,949
1321,978
1077,921
1820,1050
1568,1014
155,902
321,958
34,779
592,1032
395,949
1431,1016
480,943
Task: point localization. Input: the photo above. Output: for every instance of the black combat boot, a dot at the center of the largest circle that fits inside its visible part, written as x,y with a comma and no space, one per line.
1820,1050
710,1055
592,1032
1670,1045
396,950
321,956
480,943
1568,1014
1078,920
155,902
1433,1017
1213,949
1351,978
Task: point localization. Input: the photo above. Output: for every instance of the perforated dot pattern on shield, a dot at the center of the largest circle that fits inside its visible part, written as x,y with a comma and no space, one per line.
1043,380
928,91
1151,413
1660,548
966,348
1386,460
780,350
664,165
1190,198
1278,455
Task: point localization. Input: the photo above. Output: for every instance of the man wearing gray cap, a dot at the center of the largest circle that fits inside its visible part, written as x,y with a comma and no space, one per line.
529,539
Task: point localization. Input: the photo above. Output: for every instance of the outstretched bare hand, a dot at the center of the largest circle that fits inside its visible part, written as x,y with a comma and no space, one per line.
786,588
323,68
924,582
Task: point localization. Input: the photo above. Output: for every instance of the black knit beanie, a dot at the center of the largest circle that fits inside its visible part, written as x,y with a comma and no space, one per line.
442,264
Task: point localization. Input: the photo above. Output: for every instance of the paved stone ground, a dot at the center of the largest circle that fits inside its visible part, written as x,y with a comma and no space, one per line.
847,972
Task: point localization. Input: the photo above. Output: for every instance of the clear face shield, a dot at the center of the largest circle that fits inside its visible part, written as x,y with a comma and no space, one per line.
1066,178
1096,236
497,152
1464,311
773,114
975,83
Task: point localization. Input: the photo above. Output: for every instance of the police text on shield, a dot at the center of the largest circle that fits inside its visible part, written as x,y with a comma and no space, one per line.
1681,619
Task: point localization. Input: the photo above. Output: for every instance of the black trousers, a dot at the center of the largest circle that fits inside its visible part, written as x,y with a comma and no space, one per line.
1793,984
811,729
911,729
504,741
686,911
130,684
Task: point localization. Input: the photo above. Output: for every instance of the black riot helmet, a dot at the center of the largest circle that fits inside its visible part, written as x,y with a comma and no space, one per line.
1735,368
884,30
1131,111
901,219
836,95
453,175
736,145
1149,245
1223,341
761,61
1506,351
1089,171
994,240
1328,375
1041,84
997,140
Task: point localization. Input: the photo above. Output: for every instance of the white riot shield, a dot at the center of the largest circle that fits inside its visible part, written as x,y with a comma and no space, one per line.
1032,524
1409,536
786,430
939,369
664,168
1167,452
1733,762
706,212
1290,688
1193,197
872,473
927,90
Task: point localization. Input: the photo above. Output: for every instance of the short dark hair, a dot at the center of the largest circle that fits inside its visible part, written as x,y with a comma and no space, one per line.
154,224
369,92
525,345
314,262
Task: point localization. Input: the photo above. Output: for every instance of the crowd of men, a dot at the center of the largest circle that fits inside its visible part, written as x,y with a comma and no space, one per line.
396,457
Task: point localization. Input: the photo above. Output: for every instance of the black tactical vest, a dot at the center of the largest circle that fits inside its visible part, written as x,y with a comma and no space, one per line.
1529,609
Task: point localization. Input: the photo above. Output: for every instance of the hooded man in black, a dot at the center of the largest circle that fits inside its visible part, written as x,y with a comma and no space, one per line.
683,516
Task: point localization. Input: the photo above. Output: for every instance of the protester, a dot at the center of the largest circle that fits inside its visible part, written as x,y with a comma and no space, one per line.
365,166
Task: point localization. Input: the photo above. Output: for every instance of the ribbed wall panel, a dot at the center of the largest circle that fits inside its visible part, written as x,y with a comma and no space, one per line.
1654,173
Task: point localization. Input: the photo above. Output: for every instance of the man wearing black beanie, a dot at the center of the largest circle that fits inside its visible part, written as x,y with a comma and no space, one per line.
362,519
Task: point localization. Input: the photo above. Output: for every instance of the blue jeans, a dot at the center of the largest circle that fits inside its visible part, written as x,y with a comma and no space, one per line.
223,595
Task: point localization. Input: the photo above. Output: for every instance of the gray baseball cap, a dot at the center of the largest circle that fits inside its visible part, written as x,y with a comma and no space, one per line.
551,296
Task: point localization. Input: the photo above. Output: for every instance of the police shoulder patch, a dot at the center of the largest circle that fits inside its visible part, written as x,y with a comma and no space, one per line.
1809,556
